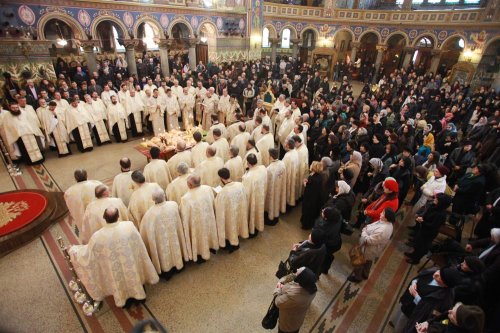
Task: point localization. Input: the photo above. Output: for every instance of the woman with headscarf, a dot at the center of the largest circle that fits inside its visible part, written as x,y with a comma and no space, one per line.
311,202
435,184
389,199
427,227
343,199
491,275
479,130
330,222
293,300
374,238
353,165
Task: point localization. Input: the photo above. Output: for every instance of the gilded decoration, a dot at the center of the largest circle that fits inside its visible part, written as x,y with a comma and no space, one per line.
10,210
22,71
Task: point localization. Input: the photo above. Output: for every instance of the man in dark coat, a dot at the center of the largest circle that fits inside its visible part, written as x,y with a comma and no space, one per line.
468,190
310,253
458,161
330,222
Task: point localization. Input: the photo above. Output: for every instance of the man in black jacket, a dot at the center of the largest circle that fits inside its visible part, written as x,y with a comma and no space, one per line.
309,253
330,222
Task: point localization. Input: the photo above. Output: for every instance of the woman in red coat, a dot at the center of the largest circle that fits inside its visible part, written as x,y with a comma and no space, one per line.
389,199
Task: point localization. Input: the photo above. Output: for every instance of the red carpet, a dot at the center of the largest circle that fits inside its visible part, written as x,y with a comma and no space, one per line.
18,209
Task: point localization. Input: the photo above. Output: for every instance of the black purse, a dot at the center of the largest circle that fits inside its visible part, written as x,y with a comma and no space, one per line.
283,269
271,318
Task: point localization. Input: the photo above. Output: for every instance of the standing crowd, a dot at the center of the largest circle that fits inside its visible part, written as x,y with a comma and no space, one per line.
351,161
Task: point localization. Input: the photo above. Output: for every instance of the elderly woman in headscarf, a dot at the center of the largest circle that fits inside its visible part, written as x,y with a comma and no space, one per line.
353,165
479,130
294,298
343,199
389,199
491,275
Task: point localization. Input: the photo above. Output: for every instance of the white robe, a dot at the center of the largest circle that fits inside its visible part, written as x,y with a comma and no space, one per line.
285,129
140,201
208,169
303,154
198,219
291,160
231,213
256,153
134,105
77,198
163,234
118,115
155,110
210,135
24,127
116,245
241,141
263,145
177,188
173,112
156,171
186,103
209,108
223,107
183,156
233,130
276,189
235,167
255,182
53,123
199,153
123,186
31,113
93,219
222,148
98,116
78,118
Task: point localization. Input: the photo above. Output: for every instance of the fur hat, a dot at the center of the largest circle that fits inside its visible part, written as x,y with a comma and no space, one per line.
391,184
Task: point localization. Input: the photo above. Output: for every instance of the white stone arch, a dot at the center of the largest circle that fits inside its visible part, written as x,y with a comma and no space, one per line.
183,21
272,30
451,37
157,28
380,39
208,22
429,35
310,27
398,32
102,18
353,36
75,26
293,31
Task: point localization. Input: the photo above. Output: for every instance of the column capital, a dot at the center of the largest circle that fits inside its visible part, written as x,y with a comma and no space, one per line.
274,40
164,43
191,42
130,44
295,40
381,48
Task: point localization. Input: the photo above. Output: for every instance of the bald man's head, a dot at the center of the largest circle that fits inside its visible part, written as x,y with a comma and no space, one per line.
111,215
101,191
211,151
125,163
80,175
193,181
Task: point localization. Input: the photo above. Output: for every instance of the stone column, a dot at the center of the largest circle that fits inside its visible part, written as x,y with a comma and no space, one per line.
378,61
295,48
407,4
163,45
408,56
436,58
274,45
354,50
130,46
355,4
88,49
192,52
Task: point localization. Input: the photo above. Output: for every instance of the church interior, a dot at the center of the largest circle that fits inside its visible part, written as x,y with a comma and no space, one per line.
383,116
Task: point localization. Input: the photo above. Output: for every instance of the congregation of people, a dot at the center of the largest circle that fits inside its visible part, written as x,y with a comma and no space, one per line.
414,143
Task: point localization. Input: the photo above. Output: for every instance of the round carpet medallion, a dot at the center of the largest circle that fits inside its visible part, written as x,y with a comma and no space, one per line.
18,209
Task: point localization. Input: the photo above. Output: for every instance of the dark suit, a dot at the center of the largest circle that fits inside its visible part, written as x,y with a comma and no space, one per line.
31,98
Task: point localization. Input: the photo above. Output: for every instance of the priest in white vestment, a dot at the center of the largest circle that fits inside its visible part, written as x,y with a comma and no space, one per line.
93,219
173,110
77,123
178,187
106,95
241,140
187,102
231,211
234,111
97,116
209,105
198,219
142,197
276,188
221,145
303,154
265,143
235,164
135,107
223,106
157,171
233,130
29,111
276,109
155,110
292,164
207,170
79,195
215,124
251,149
199,150
284,131
255,183
176,89
163,234
56,134
117,120
201,93
22,135
118,244
123,186
181,155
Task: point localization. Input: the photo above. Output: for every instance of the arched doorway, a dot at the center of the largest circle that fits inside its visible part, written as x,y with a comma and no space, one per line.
208,38
149,35
450,53
488,69
422,56
309,39
368,48
179,50
393,57
110,36
342,44
61,34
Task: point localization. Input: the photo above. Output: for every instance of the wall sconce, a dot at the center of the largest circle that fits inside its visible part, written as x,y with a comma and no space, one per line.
203,39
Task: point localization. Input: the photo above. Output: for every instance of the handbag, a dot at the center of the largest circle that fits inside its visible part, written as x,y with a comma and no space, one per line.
271,318
283,269
357,256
